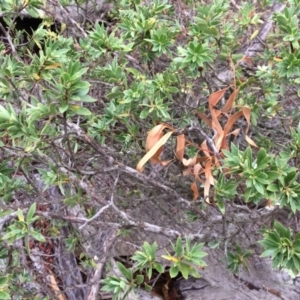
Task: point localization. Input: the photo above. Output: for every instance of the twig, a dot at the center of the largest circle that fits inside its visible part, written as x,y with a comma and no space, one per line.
103,208
57,3
13,49
93,292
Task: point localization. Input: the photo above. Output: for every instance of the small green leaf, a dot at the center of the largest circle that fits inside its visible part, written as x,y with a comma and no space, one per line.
173,271
139,279
37,236
20,215
221,206
9,235
158,267
283,232
147,248
259,187
184,269
63,108
144,113
87,99
31,213
272,187
178,248
268,252
214,244
4,280
127,273
4,295
272,175
149,273
147,287
79,110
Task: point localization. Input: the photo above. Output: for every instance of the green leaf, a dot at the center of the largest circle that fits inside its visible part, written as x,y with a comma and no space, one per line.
127,273
261,178
4,295
144,113
20,215
273,187
296,262
158,267
268,252
178,248
214,244
221,206
173,271
9,235
147,287
4,115
283,232
269,244
290,177
259,187
184,269
272,175
173,89
37,236
277,260
262,158
63,108
274,236
149,273
79,110
139,279
3,280
31,213
87,98
147,248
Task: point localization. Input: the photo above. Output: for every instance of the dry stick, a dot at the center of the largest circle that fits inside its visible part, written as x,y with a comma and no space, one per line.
142,225
103,208
55,2
93,293
13,49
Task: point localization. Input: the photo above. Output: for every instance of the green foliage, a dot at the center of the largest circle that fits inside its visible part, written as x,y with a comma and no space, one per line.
142,65
4,285
21,228
121,286
196,55
282,247
266,176
238,259
224,189
187,258
145,259
289,24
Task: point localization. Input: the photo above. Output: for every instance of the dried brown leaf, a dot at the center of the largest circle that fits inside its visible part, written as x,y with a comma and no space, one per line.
247,114
154,135
229,103
190,162
206,119
195,190
180,147
153,151
214,98
209,180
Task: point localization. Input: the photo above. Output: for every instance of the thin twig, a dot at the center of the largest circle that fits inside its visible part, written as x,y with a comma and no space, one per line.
103,208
